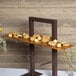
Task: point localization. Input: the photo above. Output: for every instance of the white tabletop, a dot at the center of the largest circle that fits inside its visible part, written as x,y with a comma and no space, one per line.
19,72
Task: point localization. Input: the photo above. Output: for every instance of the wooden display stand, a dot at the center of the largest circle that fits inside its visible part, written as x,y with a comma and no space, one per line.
32,71
53,23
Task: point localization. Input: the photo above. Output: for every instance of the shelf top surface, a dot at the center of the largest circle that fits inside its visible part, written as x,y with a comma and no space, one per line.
38,43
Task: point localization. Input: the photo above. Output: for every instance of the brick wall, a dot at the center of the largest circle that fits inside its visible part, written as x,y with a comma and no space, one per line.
14,17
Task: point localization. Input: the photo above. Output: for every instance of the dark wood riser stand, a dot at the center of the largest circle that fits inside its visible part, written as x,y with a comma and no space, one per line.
32,71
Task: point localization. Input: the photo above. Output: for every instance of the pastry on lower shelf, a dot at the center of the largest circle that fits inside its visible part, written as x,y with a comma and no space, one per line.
16,36
19,35
26,36
45,38
65,44
15,33
10,35
36,40
39,38
55,41
32,38
59,45
51,43
36,35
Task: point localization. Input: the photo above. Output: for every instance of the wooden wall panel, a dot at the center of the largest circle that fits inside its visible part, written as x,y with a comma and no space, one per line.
47,3
8,3
37,3
55,13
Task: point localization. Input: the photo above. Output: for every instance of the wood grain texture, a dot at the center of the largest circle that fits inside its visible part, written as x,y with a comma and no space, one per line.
37,3
8,3
53,13
46,3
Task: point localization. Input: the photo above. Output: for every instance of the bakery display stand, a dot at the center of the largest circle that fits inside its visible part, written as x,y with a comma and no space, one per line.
52,23
26,39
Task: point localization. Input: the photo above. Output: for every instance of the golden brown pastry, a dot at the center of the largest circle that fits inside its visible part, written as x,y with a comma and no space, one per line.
36,40
10,35
55,41
26,36
51,43
19,35
65,44
32,38
39,38
36,35
59,45
45,38
14,33
15,36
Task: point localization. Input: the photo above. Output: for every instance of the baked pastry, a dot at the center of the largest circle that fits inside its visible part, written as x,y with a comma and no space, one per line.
14,33
25,36
36,35
39,38
15,36
45,38
65,44
19,35
36,40
55,41
10,35
59,45
32,38
51,43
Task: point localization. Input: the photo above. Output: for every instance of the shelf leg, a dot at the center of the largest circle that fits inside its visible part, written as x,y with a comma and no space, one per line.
54,62
32,71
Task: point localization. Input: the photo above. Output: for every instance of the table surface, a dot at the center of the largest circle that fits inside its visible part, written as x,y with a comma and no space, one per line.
19,72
